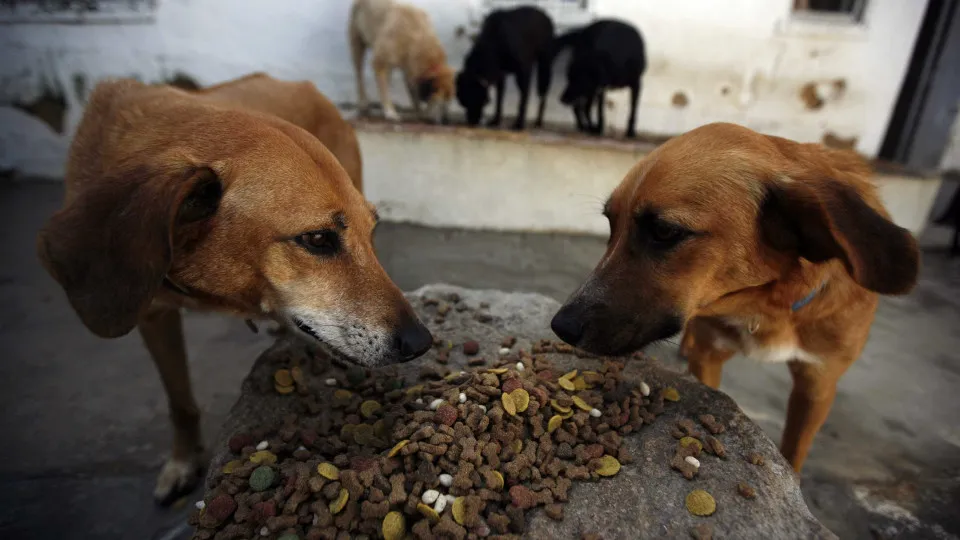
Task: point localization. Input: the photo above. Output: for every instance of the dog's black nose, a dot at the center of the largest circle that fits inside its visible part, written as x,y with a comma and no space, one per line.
412,339
567,327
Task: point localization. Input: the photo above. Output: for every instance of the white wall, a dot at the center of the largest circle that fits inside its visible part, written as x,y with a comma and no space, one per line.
736,60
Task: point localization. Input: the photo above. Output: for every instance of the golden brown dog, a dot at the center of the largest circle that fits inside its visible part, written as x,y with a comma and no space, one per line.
755,244
401,37
174,201
301,104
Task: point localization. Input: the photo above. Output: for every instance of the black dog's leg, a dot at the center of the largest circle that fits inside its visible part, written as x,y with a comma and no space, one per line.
601,105
544,76
634,102
523,84
495,121
578,116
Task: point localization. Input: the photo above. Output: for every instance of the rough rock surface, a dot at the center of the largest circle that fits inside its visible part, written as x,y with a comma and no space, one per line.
646,500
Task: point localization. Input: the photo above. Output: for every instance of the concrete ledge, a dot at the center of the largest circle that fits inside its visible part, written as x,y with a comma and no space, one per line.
534,181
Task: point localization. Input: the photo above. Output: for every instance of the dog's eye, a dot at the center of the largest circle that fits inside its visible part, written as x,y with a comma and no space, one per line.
666,234
320,242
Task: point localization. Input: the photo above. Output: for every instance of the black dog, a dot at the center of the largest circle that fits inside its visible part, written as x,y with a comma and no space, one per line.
511,41
607,54
951,218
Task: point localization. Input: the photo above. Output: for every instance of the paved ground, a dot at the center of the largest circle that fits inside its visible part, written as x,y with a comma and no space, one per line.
84,420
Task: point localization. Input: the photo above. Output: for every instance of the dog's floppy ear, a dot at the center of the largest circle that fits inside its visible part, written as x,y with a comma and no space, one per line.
829,220
111,246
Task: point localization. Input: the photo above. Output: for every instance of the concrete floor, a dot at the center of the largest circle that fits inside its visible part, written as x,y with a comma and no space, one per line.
85,427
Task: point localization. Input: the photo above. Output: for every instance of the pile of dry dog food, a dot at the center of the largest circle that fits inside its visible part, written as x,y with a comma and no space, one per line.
465,456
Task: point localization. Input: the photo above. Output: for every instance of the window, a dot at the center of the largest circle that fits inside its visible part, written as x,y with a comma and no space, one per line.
851,10
77,11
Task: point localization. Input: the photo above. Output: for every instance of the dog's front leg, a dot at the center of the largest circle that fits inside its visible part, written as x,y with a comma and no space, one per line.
523,84
414,98
495,121
704,360
162,333
601,105
382,72
814,389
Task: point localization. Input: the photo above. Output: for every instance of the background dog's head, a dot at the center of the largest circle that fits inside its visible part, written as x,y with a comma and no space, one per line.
173,200
473,95
436,90
583,80
723,209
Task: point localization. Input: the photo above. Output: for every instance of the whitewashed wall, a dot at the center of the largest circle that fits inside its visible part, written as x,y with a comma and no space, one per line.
744,61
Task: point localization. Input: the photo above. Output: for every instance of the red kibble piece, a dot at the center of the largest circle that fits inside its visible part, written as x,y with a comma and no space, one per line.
237,442
446,414
471,347
221,507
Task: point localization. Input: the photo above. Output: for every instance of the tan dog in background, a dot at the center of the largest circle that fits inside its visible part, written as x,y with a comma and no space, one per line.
754,244
175,200
401,37
301,104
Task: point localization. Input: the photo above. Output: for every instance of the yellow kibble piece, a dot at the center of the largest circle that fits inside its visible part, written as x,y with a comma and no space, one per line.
363,434
569,375
369,408
559,408
567,384
671,394
263,457
579,383
508,404
394,526
516,446
337,506
554,423
581,404
497,484
521,399
609,466
230,466
428,512
342,395
283,389
328,470
701,503
458,510
497,371
282,377
687,441
415,390
397,447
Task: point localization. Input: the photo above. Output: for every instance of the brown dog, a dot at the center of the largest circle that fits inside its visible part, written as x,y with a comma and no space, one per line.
174,200
301,104
400,37
755,244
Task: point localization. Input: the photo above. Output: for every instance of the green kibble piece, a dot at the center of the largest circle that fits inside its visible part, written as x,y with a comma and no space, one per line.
262,478
289,536
356,375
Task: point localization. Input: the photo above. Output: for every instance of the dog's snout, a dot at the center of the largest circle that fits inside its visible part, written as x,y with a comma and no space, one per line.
567,325
412,339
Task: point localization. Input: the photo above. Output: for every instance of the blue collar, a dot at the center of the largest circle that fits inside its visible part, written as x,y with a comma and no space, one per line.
807,299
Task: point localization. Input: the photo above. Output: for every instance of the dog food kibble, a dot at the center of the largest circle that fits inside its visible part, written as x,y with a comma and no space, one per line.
755,458
262,478
200,505
692,442
289,536
693,461
263,445
701,503
456,455
746,491
671,394
710,422
328,471
394,526
702,531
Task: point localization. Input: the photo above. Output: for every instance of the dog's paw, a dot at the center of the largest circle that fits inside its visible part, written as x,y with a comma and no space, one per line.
178,478
391,115
631,135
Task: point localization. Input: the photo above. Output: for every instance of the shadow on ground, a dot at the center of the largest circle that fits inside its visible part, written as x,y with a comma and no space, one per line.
85,420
